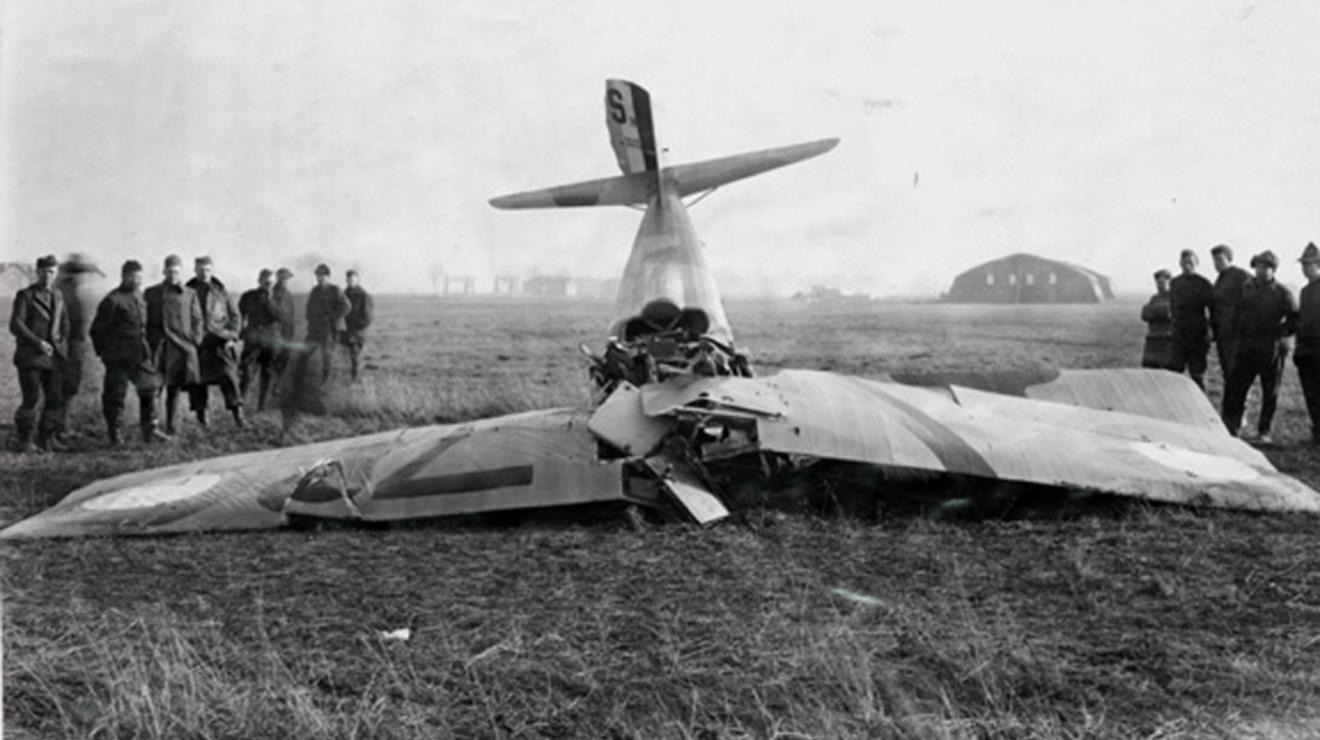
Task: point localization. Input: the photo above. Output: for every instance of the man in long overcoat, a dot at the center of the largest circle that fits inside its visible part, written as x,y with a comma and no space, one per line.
326,308
72,281
1158,315
1192,298
261,337
1227,294
283,298
174,328
1265,322
362,308
1307,356
119,336
40,325
218,351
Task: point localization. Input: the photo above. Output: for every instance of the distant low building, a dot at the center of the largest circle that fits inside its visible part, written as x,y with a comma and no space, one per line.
563,286
829,294
1027,278
545,286
460,284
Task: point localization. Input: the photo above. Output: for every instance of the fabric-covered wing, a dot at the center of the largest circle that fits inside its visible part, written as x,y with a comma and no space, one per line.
1158,394
970,432
519,461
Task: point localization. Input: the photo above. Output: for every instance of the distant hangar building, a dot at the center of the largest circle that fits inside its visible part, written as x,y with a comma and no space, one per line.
1026,278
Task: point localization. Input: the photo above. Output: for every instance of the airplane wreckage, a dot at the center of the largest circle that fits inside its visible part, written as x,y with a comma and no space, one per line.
682,421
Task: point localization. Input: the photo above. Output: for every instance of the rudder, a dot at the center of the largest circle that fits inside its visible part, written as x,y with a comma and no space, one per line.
632,131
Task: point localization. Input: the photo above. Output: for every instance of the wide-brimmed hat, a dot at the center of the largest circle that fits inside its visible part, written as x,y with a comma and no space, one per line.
1310,254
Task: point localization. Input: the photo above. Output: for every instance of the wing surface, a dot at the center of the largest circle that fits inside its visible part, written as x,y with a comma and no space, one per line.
1158,394
538,459
970,432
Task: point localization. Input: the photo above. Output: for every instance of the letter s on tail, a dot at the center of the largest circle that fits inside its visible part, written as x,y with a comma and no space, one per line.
632,133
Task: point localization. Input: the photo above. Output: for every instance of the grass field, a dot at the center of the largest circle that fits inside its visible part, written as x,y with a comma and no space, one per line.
1128,621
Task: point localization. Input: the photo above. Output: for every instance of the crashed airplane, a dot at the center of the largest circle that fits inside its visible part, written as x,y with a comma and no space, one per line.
682,421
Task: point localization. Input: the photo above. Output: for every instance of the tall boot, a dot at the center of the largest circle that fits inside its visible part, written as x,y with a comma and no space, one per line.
111,410
171,408
147,419
263,390
23,430
48,439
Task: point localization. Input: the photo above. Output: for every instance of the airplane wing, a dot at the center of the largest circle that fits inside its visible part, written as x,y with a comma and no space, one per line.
663,438
539,459
970,432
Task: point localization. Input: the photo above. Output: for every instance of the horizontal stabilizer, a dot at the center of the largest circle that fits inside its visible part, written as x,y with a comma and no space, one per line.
609,191
710,173
637,188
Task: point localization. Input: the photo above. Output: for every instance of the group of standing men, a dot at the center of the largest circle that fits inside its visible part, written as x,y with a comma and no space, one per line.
176,335
1251,319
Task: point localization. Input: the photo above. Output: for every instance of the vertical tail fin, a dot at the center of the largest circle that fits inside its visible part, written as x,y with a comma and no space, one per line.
632,133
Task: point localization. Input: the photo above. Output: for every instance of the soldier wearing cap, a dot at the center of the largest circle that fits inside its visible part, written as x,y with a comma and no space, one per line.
70,280
1266,318
1307,356
358,319
1158,315
326,308
174,329
1190,296
261,336
218,352
40,324
1227,294
283,298
119,336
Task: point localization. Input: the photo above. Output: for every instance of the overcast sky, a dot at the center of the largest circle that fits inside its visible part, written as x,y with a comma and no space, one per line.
373,133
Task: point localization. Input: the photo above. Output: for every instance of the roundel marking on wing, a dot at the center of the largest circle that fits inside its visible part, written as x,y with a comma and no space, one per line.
1198,464
159,493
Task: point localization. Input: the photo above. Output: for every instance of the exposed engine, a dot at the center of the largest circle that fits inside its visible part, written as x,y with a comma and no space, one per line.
662,342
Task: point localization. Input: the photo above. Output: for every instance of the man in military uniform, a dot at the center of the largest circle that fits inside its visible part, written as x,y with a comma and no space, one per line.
40,325
283,298
1266,318
70,279
362,306
1191,297
326,308
1227,292
1158,315
174,329
218,352
1307,357
261,337
119,336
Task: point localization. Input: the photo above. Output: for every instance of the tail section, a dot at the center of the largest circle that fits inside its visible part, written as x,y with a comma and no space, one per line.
632,135
666,271
632,131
